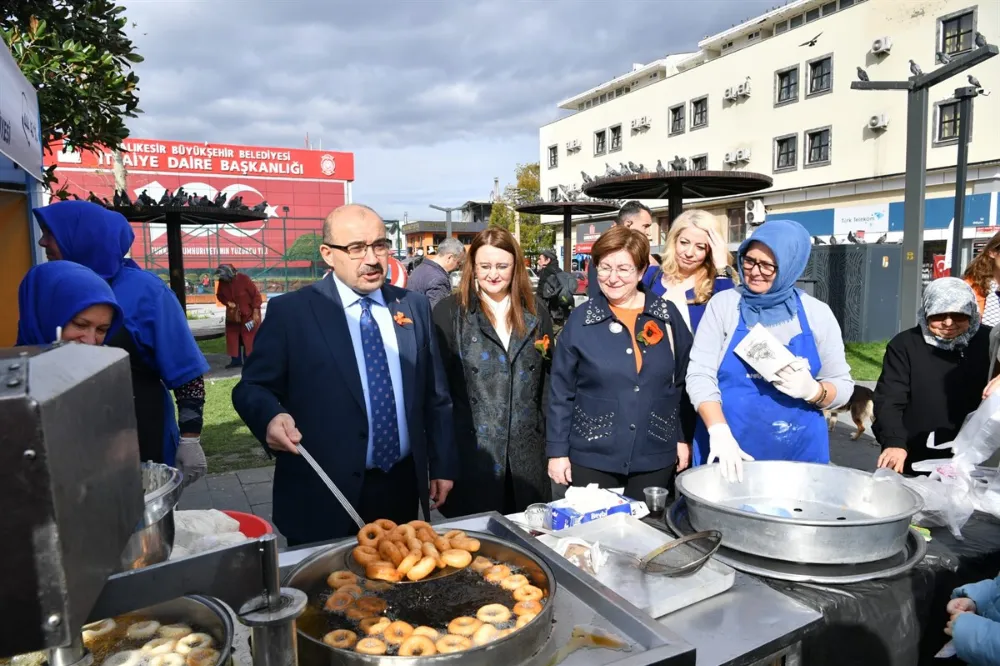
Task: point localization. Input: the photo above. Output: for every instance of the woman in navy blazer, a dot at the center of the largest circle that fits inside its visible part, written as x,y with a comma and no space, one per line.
695,265
618,414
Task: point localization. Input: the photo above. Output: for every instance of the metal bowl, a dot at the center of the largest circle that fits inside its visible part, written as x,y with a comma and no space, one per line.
801,512
153,538
310,576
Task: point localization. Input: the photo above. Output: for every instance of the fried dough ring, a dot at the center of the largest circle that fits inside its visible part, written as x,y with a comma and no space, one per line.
341,638
493,614
464,626
466,543
527,607
369,535
397,632
370,646
386,524
452,643
339,579
417,646
497,573
365,555
513,582
528,593
421,569
481,564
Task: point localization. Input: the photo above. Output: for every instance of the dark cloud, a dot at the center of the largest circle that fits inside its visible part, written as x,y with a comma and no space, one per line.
453,80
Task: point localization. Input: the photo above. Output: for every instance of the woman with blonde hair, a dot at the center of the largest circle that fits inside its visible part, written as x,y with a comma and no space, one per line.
983,275
694,260
496,345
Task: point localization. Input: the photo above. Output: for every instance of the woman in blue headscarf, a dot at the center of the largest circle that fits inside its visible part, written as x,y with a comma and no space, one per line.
745,416
65,301
155,332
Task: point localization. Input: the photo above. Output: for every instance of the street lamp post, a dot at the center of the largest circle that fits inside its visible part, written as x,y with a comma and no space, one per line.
447,217
917,89
964,96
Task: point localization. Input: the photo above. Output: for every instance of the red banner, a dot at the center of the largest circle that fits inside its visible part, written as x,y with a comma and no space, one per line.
189,158
939,270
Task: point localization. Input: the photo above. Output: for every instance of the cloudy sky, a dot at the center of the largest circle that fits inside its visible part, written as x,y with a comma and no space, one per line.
434,97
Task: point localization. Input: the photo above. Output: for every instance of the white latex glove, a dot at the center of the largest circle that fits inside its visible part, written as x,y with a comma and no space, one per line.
796,381
722,446
191,459
720,254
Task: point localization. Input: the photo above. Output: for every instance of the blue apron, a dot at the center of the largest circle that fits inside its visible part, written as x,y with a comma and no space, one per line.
766,423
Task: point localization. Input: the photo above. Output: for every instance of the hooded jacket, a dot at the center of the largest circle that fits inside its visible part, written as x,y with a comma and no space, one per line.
158,337
53,293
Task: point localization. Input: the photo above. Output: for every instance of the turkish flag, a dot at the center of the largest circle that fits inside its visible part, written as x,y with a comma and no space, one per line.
940,270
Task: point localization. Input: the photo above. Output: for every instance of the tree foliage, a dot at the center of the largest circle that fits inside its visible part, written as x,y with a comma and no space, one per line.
305,248
535,236
77,56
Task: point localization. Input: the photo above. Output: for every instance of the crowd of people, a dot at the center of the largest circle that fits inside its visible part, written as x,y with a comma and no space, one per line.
497,395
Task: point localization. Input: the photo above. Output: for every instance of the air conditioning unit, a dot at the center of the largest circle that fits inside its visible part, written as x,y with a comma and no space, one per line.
635,123
756,213
730,158
878,122
882,45
743,155
743,90
730,94
646,121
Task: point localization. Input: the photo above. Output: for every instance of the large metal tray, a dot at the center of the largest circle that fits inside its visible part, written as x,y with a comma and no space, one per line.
580,600
657,595
801,512
913,552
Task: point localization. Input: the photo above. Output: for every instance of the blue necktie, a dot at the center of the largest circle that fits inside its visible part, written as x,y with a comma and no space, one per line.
385,438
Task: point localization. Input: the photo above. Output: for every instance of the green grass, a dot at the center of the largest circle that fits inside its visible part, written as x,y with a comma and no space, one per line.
865,359
213,346
228,444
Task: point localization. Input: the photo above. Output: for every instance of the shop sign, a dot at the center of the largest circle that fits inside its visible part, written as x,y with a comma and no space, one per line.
20,126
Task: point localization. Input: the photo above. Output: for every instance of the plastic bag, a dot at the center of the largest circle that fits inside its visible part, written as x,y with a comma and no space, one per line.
947,495
190,526
979,437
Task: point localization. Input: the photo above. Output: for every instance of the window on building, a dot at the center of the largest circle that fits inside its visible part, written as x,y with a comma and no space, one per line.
553,156
603,98
600,142
947,121
677,119
812,15
699,112
846,3
699,163
466,239
795,21
786,151
818,147
821,75
616,137
829,8
787,85
958,32
553,193
737,224
780,27
438,239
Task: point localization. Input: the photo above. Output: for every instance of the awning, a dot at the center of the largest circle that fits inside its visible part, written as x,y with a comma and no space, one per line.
20,124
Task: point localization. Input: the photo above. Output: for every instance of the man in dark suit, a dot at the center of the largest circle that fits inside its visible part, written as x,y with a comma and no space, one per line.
349,367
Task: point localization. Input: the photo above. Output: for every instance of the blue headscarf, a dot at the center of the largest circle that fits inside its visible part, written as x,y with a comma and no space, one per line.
89,234
51,294
791,244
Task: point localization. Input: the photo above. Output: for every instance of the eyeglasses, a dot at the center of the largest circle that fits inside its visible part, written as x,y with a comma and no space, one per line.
380,247
623,271
766,268
486,269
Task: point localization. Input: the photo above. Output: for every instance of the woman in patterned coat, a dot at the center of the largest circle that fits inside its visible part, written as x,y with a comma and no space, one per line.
496,345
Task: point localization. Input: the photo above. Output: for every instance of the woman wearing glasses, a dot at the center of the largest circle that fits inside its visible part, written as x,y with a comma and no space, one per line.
495,345
744,416
617,412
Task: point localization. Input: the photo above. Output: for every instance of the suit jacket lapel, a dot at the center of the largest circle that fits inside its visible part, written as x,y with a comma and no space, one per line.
406,339
329,313
517,344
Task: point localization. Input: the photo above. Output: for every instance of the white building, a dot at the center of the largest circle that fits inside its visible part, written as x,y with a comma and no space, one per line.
772,95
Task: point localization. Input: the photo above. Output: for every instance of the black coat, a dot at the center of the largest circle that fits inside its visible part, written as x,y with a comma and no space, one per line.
924,389
497,405
601,413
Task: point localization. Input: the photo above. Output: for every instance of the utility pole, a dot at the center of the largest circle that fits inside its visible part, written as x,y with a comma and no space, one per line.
917,88
447,219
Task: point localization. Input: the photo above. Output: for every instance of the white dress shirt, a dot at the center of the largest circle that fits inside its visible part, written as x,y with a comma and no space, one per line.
387,327
500,310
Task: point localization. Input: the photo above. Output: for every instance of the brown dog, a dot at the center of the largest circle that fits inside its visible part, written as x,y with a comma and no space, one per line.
861,407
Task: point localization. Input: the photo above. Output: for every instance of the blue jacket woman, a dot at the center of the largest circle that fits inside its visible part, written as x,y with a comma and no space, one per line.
617,411
61,300
747,416
694,262
975,622
163,352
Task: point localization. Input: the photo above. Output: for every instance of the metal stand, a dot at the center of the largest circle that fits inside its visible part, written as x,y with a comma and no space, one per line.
964,96
245,577
916,169
175,257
